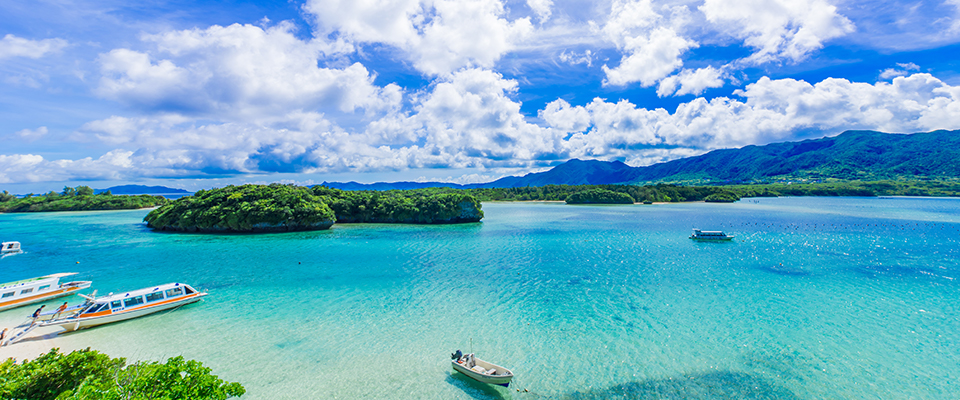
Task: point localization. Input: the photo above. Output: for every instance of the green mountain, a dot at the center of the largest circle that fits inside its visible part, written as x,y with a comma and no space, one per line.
852,155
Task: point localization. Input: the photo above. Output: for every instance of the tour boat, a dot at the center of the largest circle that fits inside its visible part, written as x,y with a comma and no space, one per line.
480,370
124,306
10,247
35,290
710,235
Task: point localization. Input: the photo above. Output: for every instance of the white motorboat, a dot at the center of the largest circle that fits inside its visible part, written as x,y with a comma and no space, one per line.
35,290
124,306
710,235
10,248
483,371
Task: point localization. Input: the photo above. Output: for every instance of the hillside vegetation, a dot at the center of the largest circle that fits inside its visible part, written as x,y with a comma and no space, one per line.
276,207
80,198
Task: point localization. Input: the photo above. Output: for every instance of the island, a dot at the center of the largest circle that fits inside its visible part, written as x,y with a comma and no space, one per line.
285,208
80,198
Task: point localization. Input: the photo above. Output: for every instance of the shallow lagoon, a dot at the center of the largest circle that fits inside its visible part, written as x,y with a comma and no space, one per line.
816,298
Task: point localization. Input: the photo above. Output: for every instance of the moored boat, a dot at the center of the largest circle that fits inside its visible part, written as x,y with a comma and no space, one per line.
35,290
10,247
710,235
124,306
482,371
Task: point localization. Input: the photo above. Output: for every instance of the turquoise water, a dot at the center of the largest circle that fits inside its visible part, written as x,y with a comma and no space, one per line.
816,298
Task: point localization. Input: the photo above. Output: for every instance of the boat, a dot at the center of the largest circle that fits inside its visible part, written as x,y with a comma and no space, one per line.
35,290
10,248
710,235
120,307
482,371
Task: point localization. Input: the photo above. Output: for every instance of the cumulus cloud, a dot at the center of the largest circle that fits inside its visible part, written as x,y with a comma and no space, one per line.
650,42
904,70
691,82
438,36
237,72
778,29
21,168
767,111
12,46
469,120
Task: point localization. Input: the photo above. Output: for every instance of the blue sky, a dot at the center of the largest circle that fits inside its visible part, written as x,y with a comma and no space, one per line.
196,94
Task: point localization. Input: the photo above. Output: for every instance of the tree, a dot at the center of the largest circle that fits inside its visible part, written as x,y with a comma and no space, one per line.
84,191
6,196
89,375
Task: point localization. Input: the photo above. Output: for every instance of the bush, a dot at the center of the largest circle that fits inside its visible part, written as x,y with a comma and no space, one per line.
91,375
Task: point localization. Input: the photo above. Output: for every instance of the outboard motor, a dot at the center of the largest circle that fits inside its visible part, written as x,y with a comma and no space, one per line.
456,356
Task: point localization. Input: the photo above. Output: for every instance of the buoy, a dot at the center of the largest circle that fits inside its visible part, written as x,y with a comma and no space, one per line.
78,262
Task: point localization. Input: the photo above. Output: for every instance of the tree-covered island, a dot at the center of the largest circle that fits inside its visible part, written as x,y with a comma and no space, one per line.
80,198
284,208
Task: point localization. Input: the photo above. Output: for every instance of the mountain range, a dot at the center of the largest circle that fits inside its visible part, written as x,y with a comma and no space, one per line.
852,155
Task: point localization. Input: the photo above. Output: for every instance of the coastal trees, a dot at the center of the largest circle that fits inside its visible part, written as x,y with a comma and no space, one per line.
599,196
245,208
91,375
70,200
257,208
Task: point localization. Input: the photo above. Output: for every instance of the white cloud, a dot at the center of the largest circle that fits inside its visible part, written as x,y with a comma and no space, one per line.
32,134
772,110
238,72
469,120
691,82
12,46
438,36
542,8
650,42
778,29
904,70
21,168
573,58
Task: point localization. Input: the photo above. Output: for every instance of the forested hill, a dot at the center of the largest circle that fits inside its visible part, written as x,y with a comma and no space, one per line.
852,155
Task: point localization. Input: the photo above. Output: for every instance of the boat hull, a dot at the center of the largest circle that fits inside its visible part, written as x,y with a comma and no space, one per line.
502,380
72,324
53,294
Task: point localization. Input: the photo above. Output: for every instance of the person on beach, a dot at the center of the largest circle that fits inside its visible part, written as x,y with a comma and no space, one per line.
3,335
36,314
60,309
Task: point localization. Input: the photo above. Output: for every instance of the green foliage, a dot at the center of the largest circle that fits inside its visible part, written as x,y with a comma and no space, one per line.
649,193
84,191
91,375
6,196
246,208
418,206
251,208
74,199
599,196
722,197
855,188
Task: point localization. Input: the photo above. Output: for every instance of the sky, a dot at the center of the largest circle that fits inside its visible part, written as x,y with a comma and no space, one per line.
200,94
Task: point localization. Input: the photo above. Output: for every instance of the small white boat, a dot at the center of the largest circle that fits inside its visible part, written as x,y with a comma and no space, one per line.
124,306
710,235
10,248
480,370
35,290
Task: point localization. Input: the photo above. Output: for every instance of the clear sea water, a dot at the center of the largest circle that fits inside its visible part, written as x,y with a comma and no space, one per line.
853,298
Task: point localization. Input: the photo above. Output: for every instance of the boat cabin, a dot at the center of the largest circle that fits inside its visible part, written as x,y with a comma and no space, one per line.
10,247
137,299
